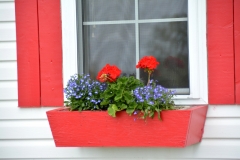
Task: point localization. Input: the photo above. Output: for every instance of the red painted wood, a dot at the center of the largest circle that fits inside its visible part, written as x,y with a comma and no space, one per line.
50,52
220,51
237,48
178,128
196,128
27,53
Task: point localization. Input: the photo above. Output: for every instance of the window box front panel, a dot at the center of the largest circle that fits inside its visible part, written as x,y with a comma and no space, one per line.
178,128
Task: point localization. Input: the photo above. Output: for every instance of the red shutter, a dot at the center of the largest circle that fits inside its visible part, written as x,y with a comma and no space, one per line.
50,35
39,53
27,53
220,51
237,48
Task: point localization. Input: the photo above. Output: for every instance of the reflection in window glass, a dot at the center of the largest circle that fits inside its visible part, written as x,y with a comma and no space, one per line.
157,9
168,42
108,10
113,44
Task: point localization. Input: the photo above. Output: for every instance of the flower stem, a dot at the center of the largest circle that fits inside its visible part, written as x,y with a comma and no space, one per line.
149,75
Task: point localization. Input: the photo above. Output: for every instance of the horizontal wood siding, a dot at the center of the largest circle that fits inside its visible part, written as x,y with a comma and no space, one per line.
8,58
28,129
34,120
25,132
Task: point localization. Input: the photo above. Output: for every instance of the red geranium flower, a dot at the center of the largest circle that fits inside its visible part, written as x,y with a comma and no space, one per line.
148,62
109,73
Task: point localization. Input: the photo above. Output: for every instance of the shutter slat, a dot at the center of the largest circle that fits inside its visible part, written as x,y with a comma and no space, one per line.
50,53
237,48
27,53
220,52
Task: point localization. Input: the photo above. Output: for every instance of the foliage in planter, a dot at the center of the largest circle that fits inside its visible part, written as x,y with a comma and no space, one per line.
83,93
153,98
115,93
118,95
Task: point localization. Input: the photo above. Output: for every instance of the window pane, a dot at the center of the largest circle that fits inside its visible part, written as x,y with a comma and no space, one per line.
168,42
156,9
113,44
108,10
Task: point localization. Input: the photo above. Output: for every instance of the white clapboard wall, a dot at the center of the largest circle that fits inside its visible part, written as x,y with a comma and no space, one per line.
25,133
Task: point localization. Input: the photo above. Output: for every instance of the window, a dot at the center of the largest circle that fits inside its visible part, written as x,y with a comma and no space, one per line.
122,31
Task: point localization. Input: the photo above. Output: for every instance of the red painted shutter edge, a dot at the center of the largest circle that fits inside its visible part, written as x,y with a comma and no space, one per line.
50,35
237,49
220,52
27,53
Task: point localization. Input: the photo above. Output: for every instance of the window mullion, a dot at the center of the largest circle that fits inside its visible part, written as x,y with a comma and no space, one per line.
137,37
80,36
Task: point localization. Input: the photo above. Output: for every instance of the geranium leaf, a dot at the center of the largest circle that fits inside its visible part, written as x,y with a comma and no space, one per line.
104,102
130,110
123,106
111,112
114,107
118,97
128,97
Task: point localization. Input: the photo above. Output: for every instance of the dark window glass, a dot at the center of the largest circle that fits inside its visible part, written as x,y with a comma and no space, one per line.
113,44
108,10
121,35
168,42
157,9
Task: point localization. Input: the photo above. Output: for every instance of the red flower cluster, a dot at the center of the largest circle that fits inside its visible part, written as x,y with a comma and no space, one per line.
148,62
109,73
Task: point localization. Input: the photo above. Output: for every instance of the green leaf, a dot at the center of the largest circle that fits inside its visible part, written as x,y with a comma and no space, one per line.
118,97
115,107
158,112
74,107
108,95
123,106
151,114
111,112
130,110
128,97
112,109
104,102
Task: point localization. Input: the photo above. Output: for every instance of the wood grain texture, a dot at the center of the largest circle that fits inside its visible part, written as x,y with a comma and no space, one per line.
50,52
27,53
197,121
99,129
237,49
220,51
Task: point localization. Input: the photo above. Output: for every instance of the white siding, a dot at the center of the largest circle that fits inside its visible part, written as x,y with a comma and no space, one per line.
25,133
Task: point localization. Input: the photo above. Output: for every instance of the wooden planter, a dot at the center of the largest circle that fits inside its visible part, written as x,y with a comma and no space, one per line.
178,128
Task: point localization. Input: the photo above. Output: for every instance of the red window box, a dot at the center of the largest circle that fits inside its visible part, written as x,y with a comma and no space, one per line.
178,128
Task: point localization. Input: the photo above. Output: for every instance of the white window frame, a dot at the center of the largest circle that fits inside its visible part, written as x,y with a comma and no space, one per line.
197,49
